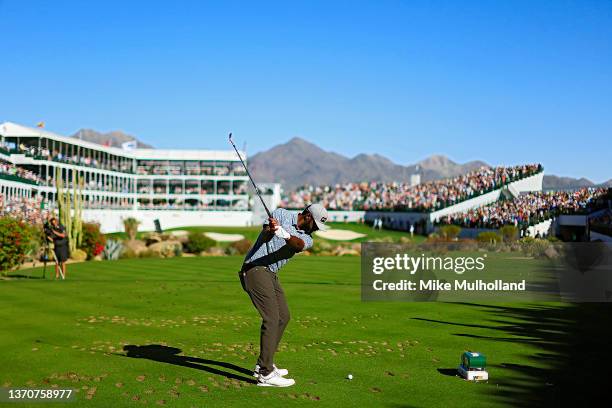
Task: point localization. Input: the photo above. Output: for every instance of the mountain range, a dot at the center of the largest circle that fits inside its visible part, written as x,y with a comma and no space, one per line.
300,162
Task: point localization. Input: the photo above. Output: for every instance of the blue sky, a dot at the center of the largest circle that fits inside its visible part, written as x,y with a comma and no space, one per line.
505,82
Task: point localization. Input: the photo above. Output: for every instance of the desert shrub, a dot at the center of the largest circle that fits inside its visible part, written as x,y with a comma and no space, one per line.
93,240
450,232
15,242
534,246
514,246
489,237
541,245
320,246
382,239
198,242
469,245
241,247
437,244
78,255
35,243
527,240
405,240
509,233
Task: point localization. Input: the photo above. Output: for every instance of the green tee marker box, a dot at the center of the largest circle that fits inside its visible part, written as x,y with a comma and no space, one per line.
473,366
471,360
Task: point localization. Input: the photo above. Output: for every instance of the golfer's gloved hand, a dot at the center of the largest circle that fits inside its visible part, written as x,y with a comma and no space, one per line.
273,224
281,233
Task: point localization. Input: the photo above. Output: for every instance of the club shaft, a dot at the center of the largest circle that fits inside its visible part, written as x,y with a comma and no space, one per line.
250,177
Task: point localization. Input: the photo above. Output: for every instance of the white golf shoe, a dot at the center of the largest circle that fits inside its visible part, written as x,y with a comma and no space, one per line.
274,379
281,371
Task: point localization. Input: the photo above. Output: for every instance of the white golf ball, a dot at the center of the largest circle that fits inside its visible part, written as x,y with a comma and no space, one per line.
350,376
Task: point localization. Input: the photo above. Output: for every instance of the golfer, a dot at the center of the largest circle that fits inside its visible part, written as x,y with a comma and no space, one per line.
60,247
283,235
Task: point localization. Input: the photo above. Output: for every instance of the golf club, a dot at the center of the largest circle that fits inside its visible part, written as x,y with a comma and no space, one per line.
251,178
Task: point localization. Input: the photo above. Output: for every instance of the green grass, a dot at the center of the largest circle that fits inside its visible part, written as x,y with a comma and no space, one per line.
70,334
372,233
251,233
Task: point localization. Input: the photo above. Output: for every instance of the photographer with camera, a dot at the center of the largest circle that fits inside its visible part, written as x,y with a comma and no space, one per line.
56,233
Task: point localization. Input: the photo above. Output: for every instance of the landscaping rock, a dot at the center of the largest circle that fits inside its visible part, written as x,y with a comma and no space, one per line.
136,246
346,251
179,235
165,249
152,237
214,251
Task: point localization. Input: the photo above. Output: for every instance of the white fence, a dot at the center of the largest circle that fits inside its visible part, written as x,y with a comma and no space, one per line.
112,220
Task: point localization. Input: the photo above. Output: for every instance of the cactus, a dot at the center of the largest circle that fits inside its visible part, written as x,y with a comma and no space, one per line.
59,186
77,222
112,250
70,207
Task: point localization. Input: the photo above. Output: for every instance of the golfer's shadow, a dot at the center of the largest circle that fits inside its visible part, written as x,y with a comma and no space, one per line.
169,355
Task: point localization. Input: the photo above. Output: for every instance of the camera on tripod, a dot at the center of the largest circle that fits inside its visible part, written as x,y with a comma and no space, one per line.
48,230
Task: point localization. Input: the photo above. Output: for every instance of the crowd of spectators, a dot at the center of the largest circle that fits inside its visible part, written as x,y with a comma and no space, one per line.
176,168
110,185
15,171
120,185
55,155
195,205
527,209
394,196
30,210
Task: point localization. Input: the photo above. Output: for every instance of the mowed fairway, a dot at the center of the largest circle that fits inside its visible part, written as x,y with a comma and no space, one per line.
193,335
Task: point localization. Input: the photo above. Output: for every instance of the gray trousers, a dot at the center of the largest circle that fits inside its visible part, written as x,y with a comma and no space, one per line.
268,297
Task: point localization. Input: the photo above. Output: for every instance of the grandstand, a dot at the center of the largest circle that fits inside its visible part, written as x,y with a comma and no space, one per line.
200,187
532,212
400,205
178,187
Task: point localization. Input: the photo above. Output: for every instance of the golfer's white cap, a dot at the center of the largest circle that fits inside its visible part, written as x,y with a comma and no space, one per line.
319,213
